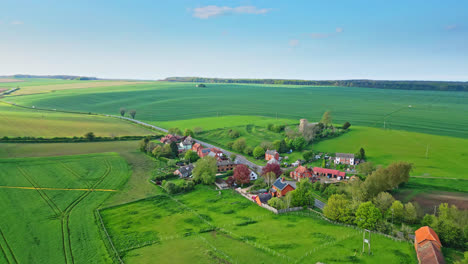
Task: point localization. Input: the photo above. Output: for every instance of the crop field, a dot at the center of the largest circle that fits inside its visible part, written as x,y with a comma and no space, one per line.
21,122
48,207
446,156
226,227
35,86
433,112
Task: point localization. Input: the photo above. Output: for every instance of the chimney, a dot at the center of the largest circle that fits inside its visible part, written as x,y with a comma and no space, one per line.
282,179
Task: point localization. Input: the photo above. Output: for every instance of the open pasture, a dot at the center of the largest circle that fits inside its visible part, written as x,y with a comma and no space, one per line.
23,122
433,112
228,228
446,156
48,207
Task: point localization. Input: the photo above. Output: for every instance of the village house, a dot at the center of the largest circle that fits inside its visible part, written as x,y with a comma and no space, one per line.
225,165
427,246
344,158
185,144
184,171
281,187
329,173
300,173
216,153
253,175
273,161
271,154
203,152
168,139
262,198
197,147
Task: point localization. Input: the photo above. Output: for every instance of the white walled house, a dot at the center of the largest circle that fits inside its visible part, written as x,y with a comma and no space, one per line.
253,175
344,158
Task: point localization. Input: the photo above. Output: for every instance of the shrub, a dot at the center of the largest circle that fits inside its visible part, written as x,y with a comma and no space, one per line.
233,133
258,152
276,203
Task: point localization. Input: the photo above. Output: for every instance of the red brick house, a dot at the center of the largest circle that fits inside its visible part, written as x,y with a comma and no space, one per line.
168,139
281,187
225,165
328,173
271,154
300,173
427,246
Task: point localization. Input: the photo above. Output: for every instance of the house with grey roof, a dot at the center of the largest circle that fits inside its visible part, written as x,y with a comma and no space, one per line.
184,171
344,158
281,187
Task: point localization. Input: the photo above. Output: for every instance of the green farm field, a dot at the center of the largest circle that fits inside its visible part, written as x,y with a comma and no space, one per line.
446,156
48,207
182,228
22,122
432,112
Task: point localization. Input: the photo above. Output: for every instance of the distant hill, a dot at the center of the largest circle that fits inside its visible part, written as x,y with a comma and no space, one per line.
400,85
63,77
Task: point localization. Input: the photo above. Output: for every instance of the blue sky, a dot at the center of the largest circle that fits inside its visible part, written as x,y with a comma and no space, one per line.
314,39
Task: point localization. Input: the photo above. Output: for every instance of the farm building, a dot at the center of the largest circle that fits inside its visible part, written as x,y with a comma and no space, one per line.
225,165
184,171
262,198
281,187
427,245
300,172
344,158
271,154
328,173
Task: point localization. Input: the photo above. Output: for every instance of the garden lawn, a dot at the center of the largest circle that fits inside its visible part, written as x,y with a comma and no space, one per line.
446,156
228,227
48,207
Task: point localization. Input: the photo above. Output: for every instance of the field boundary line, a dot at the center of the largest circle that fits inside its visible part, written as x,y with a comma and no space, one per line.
43,195
3,238
55,189
103,227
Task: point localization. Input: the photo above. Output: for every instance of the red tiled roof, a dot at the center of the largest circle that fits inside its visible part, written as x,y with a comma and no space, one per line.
426,233
301,169
429,253
329,171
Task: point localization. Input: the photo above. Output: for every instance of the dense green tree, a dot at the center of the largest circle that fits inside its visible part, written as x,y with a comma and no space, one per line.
233,133
326,119
142,145
132,113
239,145
367,216
338,208
346,125
174,149
122,111
170,187
191,156
233,157
188,132
276,202
411,215
302,195
258,152
157,151
366,168
396,212
90,136
266,145
299,143
166,151
205,170
308,155
428,220
383,201
384,179
324,163
248,150
175,131
361,154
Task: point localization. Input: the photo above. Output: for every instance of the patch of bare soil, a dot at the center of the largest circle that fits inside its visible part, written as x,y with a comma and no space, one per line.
429,200
6,80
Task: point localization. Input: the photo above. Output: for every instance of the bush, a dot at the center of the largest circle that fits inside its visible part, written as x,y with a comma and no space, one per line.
233,133
276,202
258,152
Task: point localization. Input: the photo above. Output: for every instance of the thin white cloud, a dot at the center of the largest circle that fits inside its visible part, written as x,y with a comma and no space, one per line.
294,43
339,30
319,35
213,11
451,27
17,22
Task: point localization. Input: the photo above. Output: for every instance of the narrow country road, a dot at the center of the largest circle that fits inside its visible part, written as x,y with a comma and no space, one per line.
239,158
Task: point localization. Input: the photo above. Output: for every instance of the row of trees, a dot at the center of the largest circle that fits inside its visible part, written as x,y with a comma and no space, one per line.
132,113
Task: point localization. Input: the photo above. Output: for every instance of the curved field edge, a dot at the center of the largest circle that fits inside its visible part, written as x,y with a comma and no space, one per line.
85,244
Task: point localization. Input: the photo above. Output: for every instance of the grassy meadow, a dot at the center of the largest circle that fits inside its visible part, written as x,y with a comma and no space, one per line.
446,156
48,207
432,112
22,122
246,233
